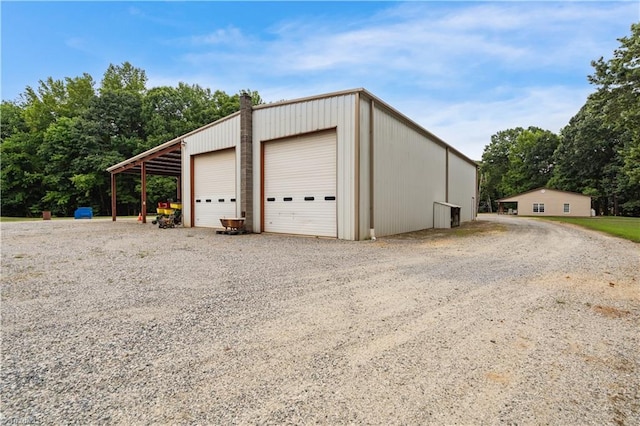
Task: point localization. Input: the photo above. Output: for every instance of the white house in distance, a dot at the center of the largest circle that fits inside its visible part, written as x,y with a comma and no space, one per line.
344,165
549,202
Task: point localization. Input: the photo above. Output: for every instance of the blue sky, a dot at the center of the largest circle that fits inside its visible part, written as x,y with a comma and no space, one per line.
463,70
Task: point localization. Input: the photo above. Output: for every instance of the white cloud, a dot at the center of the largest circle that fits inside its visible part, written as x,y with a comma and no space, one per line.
418,36
462,70
138,13
420,39
468,126
222,36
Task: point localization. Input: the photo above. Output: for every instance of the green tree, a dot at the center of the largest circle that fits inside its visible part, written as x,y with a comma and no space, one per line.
80,95
44,105
58,140
11,120
124,77
587,158
495,165
169,112
530,161
599,153
59,152
618,95
21,175
54,99
159,188
224,104
515,161
110,131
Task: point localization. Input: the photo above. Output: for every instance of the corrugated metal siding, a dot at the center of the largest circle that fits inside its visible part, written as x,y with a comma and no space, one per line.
462,186
225,134
409,176
281,121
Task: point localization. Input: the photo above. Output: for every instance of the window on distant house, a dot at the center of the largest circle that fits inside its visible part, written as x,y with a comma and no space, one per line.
538,207
566,208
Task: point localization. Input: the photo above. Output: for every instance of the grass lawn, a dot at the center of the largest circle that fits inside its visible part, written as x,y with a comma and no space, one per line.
625,227
35,219
19,219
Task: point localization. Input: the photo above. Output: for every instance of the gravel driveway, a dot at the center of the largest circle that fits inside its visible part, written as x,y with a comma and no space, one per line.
515,321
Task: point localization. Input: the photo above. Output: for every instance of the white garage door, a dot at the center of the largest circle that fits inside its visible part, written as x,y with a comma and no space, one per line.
214,187
300,185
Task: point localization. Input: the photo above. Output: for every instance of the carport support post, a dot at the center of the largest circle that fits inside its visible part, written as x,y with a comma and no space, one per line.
113,197
143,190
246,161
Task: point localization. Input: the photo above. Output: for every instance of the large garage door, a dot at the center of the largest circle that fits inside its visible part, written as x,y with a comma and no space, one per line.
300,185
214,187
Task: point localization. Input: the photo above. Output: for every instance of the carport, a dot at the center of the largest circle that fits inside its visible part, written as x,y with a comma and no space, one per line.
507,207
163,160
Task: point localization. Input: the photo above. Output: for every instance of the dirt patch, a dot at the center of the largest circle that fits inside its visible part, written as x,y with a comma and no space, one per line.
502,378
611,312
477,227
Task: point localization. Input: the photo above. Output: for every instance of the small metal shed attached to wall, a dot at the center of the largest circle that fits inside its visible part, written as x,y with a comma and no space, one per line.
445,215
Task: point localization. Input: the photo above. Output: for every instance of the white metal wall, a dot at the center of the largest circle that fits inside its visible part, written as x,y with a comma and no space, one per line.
280,121
462,186
409,175
221,135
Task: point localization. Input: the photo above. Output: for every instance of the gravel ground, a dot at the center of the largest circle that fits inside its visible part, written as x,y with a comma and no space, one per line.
516,321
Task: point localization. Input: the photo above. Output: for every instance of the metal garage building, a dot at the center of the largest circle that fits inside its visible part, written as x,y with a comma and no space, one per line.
344,165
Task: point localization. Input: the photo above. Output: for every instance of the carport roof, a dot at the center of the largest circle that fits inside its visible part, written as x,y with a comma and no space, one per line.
165,159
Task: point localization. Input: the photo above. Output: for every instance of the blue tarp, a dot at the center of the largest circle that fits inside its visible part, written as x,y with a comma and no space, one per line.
83,213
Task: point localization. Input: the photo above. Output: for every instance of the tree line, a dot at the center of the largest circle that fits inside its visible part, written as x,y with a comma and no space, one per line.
58,139
597,153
